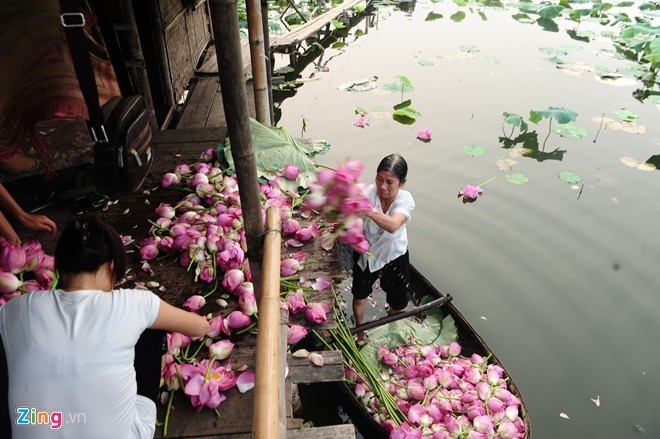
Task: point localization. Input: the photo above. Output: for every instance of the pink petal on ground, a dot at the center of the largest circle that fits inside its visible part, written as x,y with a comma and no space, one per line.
322,283
245,381
293,243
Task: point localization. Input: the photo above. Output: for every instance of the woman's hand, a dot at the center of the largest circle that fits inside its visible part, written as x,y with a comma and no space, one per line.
38,223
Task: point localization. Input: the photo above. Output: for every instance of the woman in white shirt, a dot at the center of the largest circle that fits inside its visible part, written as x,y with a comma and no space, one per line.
71,352
385,229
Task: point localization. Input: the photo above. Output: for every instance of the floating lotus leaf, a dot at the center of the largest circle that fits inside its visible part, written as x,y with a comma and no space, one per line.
474,150
523,18
432,16
626,115
516,178
569,177
505,164
571,131
491,60
359,84
425,63
458,16
469,49
551,12
406,116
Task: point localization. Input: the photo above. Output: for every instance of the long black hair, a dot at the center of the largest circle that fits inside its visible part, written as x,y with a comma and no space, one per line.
86,244
395,164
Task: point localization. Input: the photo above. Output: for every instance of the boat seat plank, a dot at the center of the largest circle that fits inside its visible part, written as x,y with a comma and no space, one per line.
342,431
302,371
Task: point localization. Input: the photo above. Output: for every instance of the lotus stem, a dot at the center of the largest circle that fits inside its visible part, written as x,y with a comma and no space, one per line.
487,181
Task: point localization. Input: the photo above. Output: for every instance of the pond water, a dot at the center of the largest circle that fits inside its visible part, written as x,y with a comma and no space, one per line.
561,279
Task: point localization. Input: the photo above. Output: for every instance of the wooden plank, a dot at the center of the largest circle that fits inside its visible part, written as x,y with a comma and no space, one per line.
189,135
343,431
199,104
283,43
302,371
210,64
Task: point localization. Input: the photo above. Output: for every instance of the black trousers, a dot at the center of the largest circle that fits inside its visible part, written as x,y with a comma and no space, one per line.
149,350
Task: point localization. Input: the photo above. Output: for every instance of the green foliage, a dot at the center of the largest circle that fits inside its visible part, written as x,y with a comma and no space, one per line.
432,16
457,17
402,85
337,24
406,115
517,178
474,150
515,120
274,149
570,131
569,177
560,114
626,115
551,12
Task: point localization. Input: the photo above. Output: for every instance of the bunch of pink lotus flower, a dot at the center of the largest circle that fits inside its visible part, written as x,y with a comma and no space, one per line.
339,196
205,232
24,267
443,394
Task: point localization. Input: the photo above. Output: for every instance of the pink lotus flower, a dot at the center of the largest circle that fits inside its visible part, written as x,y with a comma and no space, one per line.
248,302
291,172
164,210
238,320
12,257
483,424
9,282
45,278
221,350
424,135
169,179
362,121
34,255
470,192
416,391
289,266
295,333
218,324
317,312
296,302
203,392
148,252
232,279
194,303
507,430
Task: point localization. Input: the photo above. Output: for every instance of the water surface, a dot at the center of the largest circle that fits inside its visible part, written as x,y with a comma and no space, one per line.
561,280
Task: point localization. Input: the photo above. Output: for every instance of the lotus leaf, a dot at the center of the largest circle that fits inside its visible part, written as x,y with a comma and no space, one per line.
432,16
551,12
569,177
274,149
516,178
570,131
458,16
337,24
562,115
626,115
491,60
403,85
634,163
406,115
474,150
523,18
425,63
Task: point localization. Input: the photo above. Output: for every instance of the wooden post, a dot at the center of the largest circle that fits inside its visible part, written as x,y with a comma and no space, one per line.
163,59
224,18
265,424
258,60
269,60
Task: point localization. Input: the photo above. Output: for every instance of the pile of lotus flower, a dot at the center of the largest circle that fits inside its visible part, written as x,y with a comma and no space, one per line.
443,394
24,267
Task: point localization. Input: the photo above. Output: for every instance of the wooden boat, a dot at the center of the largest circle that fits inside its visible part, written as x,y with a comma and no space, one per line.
468,338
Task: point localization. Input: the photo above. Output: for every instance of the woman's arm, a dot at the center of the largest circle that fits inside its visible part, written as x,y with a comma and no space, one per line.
173,319
386,222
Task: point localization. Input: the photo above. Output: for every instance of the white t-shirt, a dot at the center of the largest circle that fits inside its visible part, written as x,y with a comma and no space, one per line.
70,358
384,246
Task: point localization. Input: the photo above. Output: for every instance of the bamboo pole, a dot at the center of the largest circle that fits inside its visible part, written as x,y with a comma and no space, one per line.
265,424
258,61
224,18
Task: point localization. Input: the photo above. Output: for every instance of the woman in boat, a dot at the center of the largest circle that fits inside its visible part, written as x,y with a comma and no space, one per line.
82,357
385,229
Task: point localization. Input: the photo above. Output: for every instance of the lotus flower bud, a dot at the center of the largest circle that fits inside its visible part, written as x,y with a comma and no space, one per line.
194,303
416,391
291,172
295,333
232,279
495,405
8,282
507,430
483,390
164,210
12,257
221,349
317,312
169,179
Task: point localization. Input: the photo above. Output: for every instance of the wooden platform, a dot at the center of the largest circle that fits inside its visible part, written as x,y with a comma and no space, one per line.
130,215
